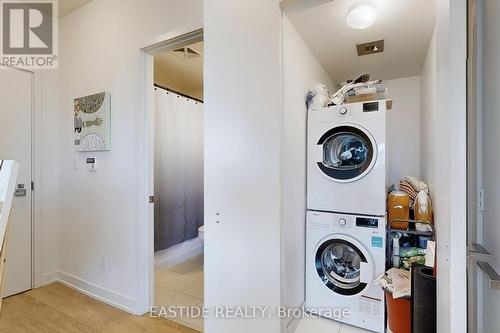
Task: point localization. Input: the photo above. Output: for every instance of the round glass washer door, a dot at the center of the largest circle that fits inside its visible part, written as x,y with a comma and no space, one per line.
338,264
348,153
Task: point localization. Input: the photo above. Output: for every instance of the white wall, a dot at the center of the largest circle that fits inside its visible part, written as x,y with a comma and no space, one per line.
243,127
100,213
454,86
403,121
436,165
429,151
301,72
443,149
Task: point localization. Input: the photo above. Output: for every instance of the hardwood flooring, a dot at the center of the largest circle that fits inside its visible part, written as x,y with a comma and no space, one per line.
59,309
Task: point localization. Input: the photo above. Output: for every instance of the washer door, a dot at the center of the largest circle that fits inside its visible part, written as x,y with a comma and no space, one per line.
343,265
348,153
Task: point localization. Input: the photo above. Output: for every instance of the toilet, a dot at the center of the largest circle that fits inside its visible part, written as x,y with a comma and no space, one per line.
201,232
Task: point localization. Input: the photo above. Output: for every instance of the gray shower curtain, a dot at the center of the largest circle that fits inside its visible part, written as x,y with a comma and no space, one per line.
178,168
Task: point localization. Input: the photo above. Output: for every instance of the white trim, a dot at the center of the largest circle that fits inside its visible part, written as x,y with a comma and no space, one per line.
48,278
145,232
173,40
145,229
104,295
36,176
284,324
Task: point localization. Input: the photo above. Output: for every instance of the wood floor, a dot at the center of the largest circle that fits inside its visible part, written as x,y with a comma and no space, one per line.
59,309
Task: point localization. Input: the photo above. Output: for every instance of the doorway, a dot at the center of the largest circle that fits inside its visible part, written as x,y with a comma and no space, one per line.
16,124
175,175
419,117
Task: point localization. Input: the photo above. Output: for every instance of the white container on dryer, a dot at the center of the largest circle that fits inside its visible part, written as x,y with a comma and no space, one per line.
344,255
347,168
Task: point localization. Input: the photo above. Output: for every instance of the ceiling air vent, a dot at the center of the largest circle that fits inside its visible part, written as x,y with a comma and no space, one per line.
186,53
370,47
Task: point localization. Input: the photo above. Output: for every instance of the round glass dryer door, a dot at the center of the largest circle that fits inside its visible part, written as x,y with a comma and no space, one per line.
338,263
348,153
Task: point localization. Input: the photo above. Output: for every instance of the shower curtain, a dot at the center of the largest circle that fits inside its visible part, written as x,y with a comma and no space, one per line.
178,168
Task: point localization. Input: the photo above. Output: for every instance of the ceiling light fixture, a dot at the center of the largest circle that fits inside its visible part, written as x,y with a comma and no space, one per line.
361,16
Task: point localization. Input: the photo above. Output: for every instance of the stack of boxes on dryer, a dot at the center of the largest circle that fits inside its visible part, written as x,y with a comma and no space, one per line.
346,218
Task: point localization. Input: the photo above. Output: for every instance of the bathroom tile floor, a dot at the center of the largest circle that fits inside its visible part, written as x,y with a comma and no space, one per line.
181,286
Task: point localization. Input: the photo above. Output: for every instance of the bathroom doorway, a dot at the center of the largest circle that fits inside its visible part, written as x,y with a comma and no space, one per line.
175,153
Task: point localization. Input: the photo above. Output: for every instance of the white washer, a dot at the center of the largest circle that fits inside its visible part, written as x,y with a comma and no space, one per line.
344,254
346,167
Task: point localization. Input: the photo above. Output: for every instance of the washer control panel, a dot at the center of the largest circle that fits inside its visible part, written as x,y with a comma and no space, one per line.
366,222
343,222
350,221
343,111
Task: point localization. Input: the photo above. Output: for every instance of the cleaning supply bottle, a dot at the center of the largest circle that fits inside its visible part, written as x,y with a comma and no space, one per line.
423,211
395,250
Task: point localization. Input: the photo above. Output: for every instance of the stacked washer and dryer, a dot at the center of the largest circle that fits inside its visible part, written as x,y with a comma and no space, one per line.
346,218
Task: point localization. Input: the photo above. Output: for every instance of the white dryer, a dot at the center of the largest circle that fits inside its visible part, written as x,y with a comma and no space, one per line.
346,168
344,254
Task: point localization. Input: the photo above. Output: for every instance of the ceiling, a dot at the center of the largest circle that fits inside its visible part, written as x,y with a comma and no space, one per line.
406,26
176,73
67,6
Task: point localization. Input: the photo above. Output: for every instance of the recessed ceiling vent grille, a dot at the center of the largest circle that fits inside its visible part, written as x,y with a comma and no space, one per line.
187,53
370,47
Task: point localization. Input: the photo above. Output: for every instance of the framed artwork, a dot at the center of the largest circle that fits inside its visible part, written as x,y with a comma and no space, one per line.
92,125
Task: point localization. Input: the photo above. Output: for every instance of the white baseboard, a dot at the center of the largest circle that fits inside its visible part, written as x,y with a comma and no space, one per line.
46,279
163,259
104,295
178,253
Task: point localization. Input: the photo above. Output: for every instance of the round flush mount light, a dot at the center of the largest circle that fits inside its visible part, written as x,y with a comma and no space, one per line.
361,16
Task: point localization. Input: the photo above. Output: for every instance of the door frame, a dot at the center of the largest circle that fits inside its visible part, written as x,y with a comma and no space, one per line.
37,178
473,167
157,45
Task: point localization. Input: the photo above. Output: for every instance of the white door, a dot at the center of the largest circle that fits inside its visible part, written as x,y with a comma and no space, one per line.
15,144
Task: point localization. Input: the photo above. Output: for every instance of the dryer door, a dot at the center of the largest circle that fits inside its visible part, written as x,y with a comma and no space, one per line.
346,153
344,265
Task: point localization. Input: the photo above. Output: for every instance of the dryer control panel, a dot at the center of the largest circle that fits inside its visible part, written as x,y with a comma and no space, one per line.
366,222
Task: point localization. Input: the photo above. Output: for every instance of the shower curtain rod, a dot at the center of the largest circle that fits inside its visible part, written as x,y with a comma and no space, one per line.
178,93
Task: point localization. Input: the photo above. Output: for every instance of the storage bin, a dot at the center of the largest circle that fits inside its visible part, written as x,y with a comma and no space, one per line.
398,313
